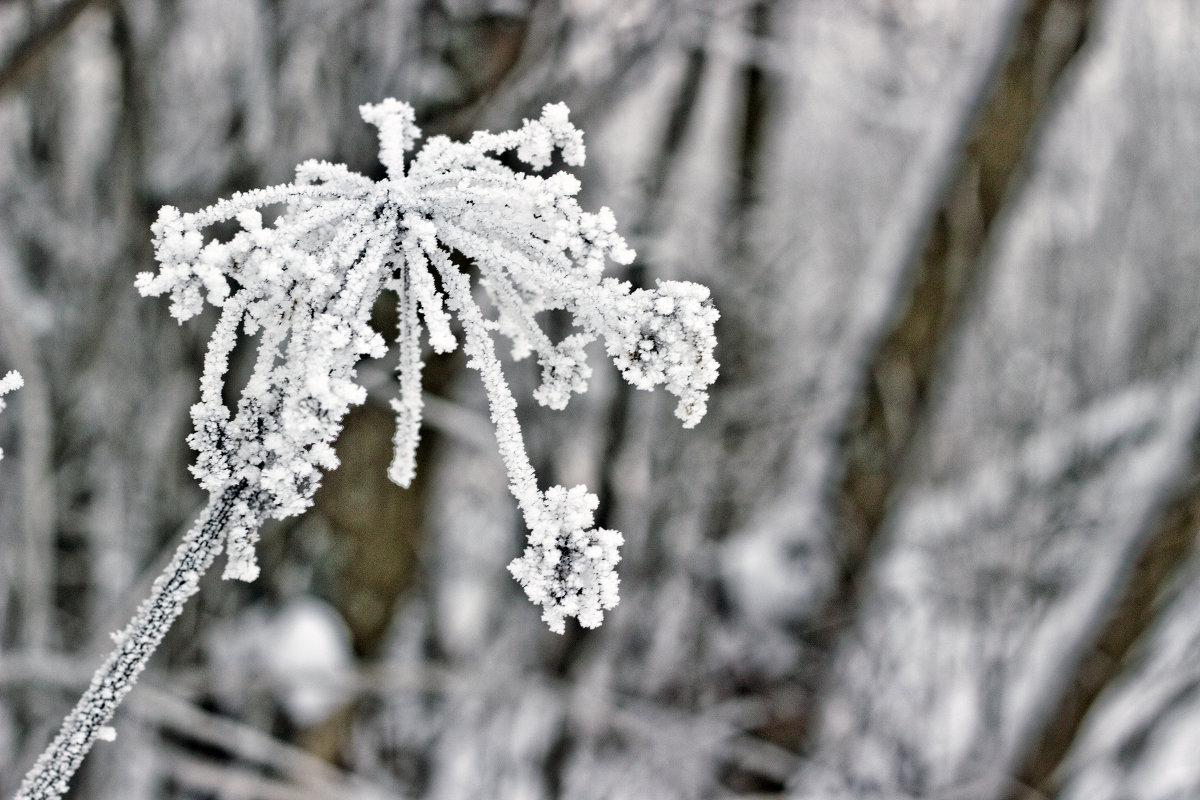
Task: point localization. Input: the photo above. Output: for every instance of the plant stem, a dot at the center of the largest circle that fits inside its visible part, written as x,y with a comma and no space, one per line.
51,773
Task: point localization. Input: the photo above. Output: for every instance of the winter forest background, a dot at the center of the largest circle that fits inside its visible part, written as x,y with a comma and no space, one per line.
935,538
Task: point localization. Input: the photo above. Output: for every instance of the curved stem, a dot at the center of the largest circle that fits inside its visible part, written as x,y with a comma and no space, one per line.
51,773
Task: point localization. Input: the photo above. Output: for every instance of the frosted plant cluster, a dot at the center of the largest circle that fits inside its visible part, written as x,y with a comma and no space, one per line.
8,383
305,285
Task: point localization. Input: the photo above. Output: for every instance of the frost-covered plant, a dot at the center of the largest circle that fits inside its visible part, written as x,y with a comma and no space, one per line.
305,286
8,383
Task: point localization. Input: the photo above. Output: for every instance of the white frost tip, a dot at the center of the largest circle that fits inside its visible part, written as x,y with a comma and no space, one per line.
11,382
241,569
106,733
398,131
569,568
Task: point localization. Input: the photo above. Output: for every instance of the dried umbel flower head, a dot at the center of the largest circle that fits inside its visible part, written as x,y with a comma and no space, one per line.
306,283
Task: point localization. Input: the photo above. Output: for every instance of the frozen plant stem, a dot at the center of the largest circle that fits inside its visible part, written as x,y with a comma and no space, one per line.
51,773
306,285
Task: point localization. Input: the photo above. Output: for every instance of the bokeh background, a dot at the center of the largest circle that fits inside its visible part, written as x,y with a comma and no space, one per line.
934,539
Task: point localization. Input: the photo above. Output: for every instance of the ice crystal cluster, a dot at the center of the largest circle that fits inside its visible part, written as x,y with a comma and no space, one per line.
8,383
305,285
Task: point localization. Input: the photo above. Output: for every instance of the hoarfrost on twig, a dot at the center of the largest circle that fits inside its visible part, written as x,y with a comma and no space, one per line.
306,285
